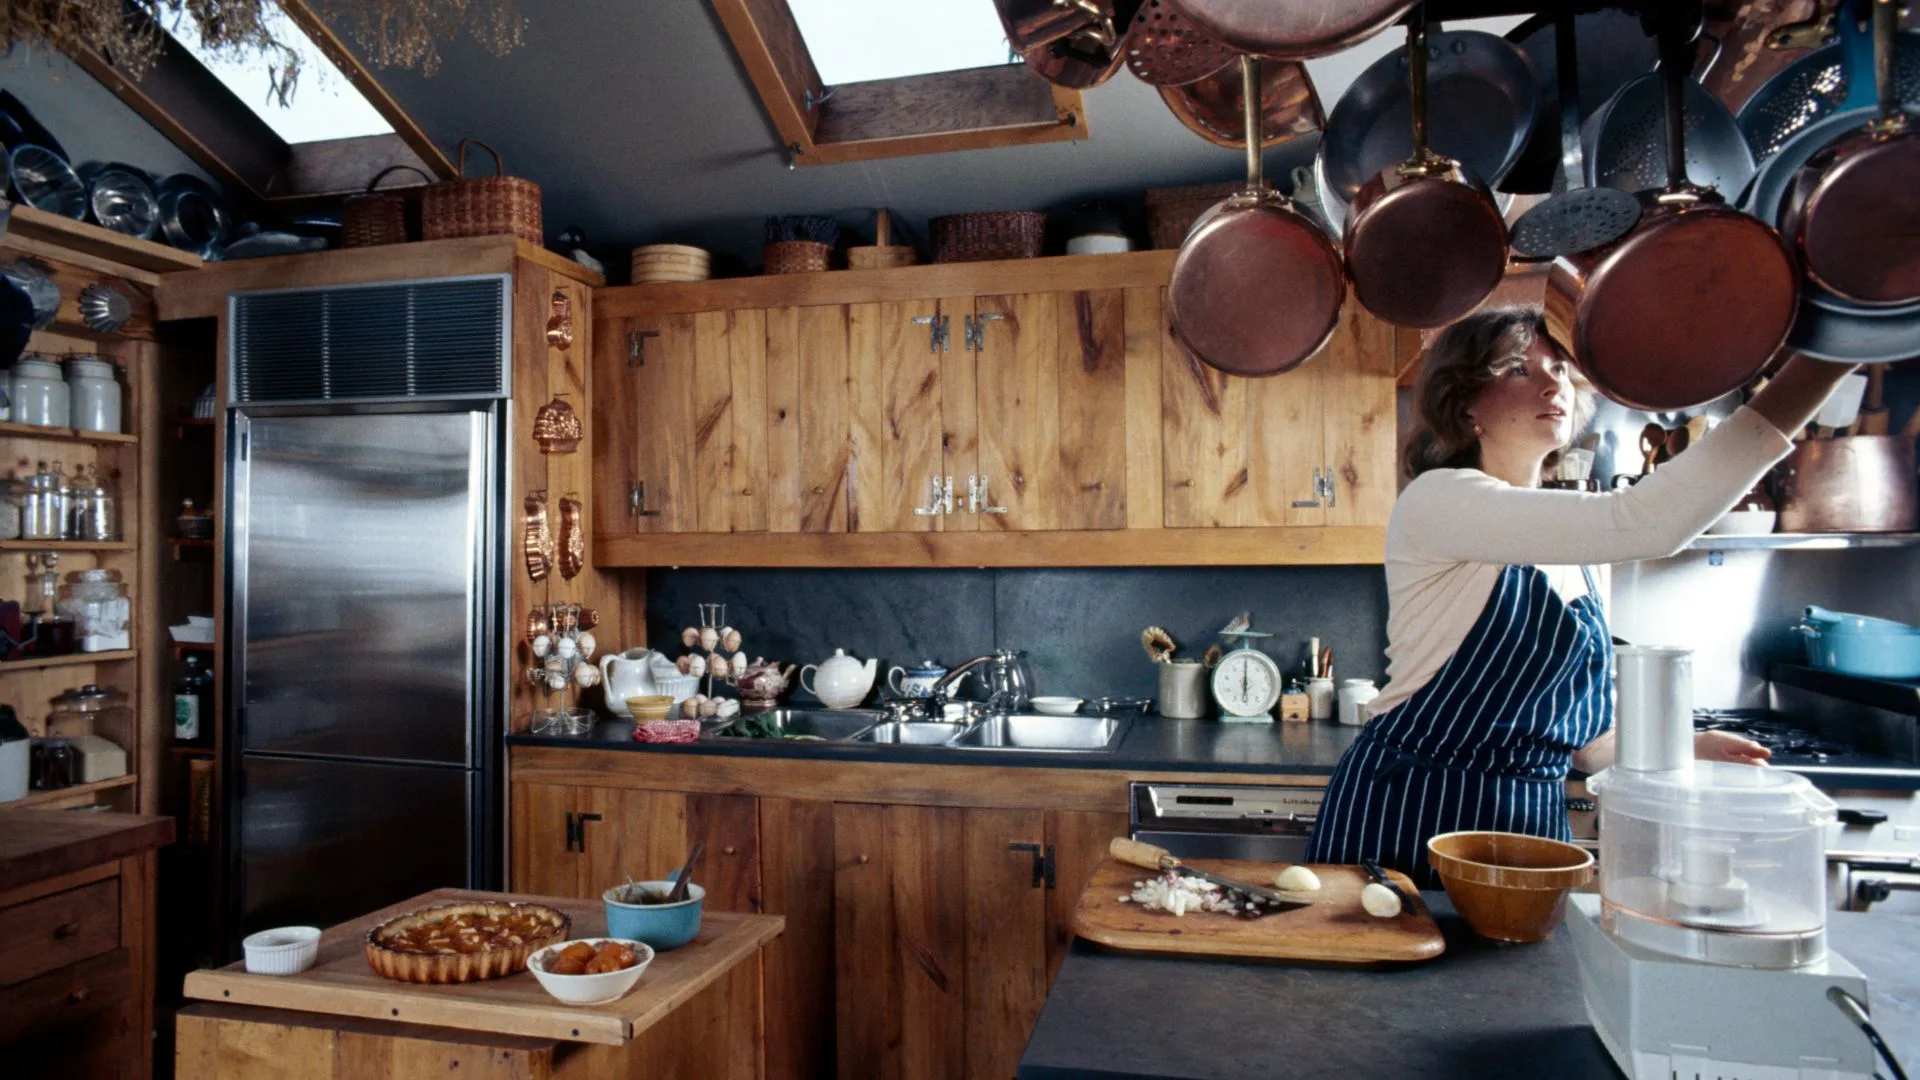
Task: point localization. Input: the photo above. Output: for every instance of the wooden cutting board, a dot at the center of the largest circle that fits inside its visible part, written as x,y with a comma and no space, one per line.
1334,929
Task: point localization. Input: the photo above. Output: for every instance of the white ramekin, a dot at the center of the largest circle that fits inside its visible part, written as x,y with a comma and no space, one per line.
284,950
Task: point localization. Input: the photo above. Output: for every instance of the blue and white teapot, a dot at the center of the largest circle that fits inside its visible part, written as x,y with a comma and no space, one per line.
917,681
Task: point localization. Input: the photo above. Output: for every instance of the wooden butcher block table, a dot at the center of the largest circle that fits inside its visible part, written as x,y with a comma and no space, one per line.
694,1013
1334,929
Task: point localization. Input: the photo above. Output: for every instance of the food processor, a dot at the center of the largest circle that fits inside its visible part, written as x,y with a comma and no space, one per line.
1705,953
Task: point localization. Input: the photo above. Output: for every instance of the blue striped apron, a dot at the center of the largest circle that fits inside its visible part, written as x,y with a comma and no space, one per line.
1487,743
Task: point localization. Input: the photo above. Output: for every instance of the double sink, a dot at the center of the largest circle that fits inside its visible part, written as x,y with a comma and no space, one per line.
1017,731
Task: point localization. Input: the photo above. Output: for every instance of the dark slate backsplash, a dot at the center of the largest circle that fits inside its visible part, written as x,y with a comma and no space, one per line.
1080,628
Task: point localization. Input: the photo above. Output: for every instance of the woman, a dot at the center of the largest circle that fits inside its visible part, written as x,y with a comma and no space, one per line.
1498,669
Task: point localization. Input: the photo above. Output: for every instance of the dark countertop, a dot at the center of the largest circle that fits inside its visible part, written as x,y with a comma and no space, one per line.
1151,744
1481,1010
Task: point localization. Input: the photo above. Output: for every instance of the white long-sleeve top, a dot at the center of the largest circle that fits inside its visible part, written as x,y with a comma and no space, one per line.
1454,530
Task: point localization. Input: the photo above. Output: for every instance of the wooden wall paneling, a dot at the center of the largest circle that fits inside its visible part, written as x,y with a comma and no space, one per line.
1090,479
1286,433
663,399
785,476
1362,419
1146,470
797,861
866,421
1017,386
959,416
1205,442
613,424
825,408
571,475
712,494
868,1004
141,516
532,387
1079,840
1006,938
537,823
747,355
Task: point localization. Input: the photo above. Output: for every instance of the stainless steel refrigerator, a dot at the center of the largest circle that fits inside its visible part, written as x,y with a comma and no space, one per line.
364,675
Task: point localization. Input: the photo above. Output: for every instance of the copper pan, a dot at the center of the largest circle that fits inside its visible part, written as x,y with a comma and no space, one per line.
1214,107
1164,49
1083,59
1425,243
1860,483
1853,211
1256,287
1293,29
1032,23
1688,306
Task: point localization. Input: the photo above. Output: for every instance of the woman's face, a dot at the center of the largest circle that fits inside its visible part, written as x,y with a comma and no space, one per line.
1528,407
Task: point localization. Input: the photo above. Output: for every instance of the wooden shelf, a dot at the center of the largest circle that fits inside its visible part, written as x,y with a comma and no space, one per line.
182,545
69,659
65,545
181,648
63,434
62,794
1804,541
101,243
1893,695
190,751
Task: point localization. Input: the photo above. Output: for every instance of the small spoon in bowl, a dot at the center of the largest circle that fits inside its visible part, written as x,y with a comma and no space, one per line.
685,878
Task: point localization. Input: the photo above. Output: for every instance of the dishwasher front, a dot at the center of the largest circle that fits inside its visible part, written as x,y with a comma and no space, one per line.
1265,823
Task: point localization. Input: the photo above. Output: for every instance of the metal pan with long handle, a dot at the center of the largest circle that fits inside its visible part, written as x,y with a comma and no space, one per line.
1623,144
1575,218
1614,50
1853,211
1256,287
1164,49
1425,243
1214,107
1294,29
1692,303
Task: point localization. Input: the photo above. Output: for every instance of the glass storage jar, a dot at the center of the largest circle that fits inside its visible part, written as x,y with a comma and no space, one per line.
97,602
93,513
95,395
90,710
40,395
9,510
43,506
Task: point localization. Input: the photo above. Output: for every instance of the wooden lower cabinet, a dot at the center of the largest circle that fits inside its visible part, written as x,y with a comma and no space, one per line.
920,940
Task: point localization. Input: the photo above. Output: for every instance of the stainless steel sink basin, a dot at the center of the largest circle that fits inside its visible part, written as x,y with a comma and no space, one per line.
1019,732
912,733
825,724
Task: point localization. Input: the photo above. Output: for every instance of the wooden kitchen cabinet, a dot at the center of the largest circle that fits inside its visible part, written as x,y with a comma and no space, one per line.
573,840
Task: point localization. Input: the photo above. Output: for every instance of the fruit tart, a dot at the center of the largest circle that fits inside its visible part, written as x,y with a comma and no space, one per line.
463,942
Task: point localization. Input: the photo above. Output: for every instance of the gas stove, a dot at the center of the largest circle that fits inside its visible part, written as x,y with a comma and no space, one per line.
1828,761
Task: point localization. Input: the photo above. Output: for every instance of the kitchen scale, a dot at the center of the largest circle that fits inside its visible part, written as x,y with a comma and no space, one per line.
1705,952
1246,681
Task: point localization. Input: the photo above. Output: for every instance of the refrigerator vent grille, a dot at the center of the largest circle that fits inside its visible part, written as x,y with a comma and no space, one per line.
424,339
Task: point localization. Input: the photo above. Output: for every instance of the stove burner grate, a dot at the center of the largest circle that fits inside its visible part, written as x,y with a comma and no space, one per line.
1781,738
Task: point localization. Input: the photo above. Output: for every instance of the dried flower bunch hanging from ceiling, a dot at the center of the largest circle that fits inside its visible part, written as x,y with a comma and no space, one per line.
131,33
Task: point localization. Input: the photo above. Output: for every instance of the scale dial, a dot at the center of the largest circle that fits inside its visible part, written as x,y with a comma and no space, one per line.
1246,683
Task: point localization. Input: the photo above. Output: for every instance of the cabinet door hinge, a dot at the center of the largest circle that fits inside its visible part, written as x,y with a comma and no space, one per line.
938,338
1318,489
942,501
978,502
637,346
1043,863
637,501
976,329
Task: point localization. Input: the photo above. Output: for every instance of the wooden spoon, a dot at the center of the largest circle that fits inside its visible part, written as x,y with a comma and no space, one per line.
685,879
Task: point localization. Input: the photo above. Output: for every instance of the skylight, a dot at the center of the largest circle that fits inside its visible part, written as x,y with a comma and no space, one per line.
858,40
324,105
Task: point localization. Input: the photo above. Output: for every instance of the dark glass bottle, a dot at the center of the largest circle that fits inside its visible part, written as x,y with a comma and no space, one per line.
193,704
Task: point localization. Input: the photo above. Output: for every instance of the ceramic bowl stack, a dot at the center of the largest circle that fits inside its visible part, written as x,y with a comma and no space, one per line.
650,707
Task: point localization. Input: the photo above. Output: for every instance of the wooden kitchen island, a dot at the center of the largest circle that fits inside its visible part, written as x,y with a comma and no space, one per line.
694,1014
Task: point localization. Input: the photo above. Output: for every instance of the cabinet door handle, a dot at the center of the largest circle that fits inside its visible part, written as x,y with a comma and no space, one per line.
1308,504
581,828
1327,486
637,346
942,501
79,995
637,501
66,930
572,834
978,501
1042,862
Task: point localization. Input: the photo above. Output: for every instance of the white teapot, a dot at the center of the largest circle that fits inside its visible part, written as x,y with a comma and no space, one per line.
840,681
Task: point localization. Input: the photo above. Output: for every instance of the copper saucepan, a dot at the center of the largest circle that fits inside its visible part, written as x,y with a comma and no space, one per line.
1425,243
1032,23
1089,53
1854,208
1293,29
1256,287
1688,306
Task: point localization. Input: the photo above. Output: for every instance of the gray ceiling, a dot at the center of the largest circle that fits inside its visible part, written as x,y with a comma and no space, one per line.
640,126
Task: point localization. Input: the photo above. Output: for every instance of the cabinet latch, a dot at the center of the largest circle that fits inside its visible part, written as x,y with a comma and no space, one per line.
1322,490
937,331
942,501
637,346
976,329
637,501
1043,863
580,830
978,502
573,833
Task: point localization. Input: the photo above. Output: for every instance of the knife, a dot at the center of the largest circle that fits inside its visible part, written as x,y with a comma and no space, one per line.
1148,857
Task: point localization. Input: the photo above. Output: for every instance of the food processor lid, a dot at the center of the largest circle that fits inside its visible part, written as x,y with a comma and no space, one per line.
1716,795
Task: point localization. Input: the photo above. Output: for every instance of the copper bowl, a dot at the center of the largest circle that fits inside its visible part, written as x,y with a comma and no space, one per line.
1509,886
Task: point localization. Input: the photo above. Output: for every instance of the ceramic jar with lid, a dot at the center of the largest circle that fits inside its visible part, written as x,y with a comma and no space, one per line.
97,602
94,395
40,395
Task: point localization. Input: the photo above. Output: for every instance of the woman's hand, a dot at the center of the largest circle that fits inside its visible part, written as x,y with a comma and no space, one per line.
1726,746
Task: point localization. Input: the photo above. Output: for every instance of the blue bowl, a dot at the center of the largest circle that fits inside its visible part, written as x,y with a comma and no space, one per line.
663,926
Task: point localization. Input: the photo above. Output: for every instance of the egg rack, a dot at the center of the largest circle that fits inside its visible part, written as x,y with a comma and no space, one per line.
561,639
713,655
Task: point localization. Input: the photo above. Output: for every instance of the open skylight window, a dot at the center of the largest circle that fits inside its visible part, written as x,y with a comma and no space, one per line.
861,40
324,104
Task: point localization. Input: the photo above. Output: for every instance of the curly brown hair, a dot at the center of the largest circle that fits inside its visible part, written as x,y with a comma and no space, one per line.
1462,360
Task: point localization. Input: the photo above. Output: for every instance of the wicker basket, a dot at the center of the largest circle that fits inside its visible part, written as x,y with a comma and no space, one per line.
375,217
1012,234
883,253
487,206
1172,211
669,262
795,257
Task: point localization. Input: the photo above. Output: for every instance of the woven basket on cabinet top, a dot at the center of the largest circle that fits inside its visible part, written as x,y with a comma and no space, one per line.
1172,211
1011,234
486,206
795,257
375,217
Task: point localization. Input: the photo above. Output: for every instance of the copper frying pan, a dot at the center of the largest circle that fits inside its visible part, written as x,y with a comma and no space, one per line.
1256,287
1688,306
1425,243
1214,107
1293,29
1854,208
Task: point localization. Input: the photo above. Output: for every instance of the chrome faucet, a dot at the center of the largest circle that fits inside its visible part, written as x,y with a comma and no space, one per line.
1007,681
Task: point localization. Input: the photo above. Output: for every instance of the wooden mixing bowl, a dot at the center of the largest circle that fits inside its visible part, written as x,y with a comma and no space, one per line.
1508,886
